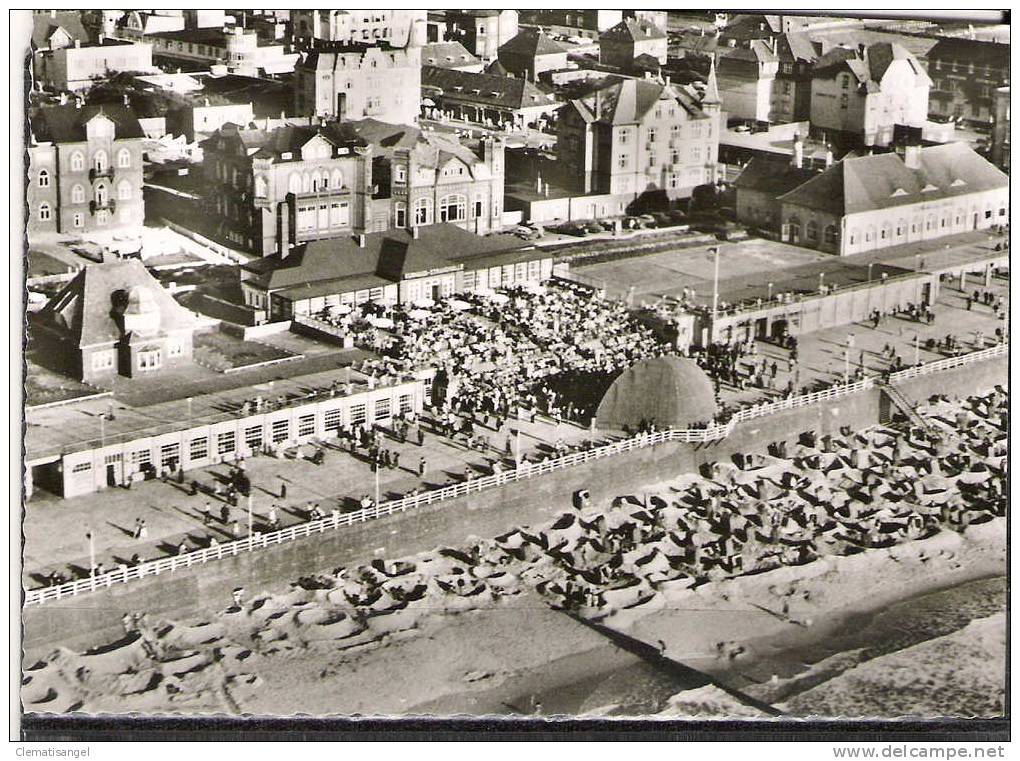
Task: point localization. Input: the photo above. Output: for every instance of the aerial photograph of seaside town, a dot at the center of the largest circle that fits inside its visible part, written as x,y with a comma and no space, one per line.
539,364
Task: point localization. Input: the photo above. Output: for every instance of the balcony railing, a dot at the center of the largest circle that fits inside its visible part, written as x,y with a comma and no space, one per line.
109,204
96,173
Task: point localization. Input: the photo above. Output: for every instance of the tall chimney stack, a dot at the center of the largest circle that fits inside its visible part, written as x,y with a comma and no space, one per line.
797,159
912,156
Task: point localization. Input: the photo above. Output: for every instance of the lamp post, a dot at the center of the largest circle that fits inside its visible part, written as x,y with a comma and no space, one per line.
251,501
846,365
92,551
376,468
770,292
870,265
917,349
821,281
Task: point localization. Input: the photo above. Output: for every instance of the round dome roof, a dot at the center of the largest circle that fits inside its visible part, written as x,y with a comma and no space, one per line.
671,392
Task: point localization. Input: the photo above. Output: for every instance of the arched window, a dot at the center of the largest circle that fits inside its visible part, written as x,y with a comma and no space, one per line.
99,161
77,161
261,187
930,222
901,227
794,229
338,179
124,191
830,234
306,183
124,158
453,208
100,195
869,234
886,231
324,180
77,194
423,211
400,212
812,230
294,183
44,212
44,178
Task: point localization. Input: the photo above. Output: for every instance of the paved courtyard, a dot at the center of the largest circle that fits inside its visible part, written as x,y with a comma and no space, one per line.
747,267
55,528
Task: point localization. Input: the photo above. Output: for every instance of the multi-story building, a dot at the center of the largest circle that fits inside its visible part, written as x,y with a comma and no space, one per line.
52,30
398,28
530,53
635,135
240,50
273,189
424,178
114,319
965,74
359,81
270,189
623,44
484,98
769,79
580,23
1000,129
85,170
872,202
78,66
866,92
482,32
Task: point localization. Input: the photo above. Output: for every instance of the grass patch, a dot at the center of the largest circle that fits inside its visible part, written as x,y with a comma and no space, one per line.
44,386
220,351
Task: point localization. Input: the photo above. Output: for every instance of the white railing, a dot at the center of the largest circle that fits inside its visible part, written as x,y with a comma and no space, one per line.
949,363
525,471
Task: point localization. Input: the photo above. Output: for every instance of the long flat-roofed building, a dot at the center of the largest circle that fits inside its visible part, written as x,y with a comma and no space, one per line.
397,266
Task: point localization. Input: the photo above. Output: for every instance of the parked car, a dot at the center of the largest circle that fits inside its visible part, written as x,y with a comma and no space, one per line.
592,226
527,233
662,219
631,223
647,220
572,228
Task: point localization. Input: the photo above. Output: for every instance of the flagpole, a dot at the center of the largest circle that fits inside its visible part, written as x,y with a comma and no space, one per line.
715,293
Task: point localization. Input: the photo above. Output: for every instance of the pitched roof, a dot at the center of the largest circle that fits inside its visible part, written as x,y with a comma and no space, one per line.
883,181
446,54
475,87
774,176
388,256
979,52
497,69
870,68
431,149
531,43
288,138
632,30
626,101
88,308
45,24
66,124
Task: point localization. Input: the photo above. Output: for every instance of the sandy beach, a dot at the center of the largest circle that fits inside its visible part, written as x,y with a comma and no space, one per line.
520,656
741,591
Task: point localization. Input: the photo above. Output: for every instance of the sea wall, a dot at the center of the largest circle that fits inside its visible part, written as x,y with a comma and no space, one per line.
90,619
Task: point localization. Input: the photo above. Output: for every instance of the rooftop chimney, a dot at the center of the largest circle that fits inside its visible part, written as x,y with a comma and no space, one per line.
797,159
912,156
77,43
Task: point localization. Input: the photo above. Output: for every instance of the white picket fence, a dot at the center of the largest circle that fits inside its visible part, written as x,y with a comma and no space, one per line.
331,523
